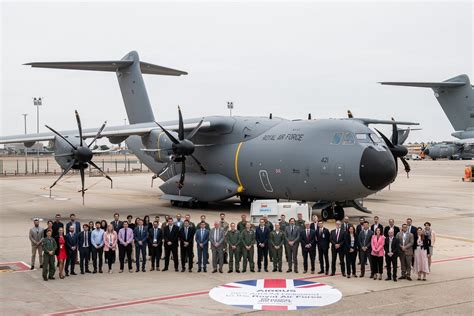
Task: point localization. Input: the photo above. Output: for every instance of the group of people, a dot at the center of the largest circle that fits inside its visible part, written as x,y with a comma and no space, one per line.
233,244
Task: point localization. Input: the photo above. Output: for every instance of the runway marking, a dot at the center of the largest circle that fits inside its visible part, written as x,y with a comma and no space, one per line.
192,294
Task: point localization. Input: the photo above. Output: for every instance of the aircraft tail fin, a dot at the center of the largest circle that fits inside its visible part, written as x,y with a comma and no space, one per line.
129,72
455,96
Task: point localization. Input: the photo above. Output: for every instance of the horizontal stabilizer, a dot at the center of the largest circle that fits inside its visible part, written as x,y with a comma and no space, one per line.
113,65
368,121
425,84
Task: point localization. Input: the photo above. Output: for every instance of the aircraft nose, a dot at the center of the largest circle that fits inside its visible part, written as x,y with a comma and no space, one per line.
377,168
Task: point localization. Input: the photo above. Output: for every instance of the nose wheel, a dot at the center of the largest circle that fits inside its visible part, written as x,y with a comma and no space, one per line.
338,212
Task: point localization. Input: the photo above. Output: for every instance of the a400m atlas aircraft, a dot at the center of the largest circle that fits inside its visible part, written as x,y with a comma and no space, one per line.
333,162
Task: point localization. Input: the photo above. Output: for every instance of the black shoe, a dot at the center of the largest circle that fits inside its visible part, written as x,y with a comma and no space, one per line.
312,271
190,270
266,270
296,271
274,270
143,270
354,275
152,269
176,270
348,276
32,268
199,270
67,274
332,274
137,270
259,270
402,277
52,278
243,271
343,274
230,271
289,270
100,271
94,272
408,278
214,271
327,272
394,280
388,279
371,276
82,272
238,271
220,271
88,271
279,270
205,270
73,273
305,271
183,269
252,270
165,269
46,279
41,266
321,272
361,276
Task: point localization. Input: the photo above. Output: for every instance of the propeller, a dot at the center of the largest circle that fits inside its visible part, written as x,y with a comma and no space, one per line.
183,147
81,156
397,150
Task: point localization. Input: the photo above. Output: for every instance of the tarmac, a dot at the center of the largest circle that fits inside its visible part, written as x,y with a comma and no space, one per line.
434,192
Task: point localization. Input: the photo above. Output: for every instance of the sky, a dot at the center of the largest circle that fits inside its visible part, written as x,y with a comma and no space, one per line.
286,58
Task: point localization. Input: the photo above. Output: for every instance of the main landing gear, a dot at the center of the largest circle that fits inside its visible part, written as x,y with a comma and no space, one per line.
336,212
190,204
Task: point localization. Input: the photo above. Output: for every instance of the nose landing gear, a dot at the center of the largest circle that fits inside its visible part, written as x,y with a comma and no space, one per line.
336,212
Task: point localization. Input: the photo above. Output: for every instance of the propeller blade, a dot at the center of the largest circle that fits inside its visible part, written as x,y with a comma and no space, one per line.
66,170
98,134
164,169
195,130
79,126
385,139
61,136
349,114
406,165
64,155
199,164
181,125
81,169
394,133
183,172
105,175
171,137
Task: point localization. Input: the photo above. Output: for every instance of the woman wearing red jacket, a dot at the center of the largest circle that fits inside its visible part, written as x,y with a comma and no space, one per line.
377,243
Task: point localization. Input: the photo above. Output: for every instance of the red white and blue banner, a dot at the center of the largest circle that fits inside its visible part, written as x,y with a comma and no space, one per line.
275,294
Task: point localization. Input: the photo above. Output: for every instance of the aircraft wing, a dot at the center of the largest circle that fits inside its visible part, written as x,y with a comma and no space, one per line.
368,121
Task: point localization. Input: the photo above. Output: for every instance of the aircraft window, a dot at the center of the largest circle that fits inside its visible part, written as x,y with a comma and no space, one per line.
375,138
336,140
348,139
363,138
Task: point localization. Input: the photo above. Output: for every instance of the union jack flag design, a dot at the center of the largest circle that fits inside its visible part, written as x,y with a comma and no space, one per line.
275,294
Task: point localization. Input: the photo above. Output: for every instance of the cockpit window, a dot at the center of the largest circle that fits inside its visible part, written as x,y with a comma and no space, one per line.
375,138
336,140
348,139
363,138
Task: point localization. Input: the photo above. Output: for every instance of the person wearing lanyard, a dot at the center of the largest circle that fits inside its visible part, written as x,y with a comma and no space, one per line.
97,241
406,240
155,237
36,239
110,245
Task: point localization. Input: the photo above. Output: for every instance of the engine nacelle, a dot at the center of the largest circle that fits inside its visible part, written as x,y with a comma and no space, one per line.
62,149
163,146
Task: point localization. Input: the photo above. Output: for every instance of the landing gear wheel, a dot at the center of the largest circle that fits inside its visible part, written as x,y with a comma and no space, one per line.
338,213
326,213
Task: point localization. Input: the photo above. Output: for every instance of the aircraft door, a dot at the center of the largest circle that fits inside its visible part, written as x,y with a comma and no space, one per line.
265,180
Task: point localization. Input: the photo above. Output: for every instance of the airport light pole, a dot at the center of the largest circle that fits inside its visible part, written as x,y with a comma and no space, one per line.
26,152
230,106
37,102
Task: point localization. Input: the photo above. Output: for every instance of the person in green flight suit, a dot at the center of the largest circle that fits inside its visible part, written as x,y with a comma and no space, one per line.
300,222
283,223
241,228
247,238
277,240
49,249
233,240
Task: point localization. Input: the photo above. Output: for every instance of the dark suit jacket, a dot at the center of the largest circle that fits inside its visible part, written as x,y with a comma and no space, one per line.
159,235
140,237
379,226
56,227
205,237
77,228
367,243
323,239
71,241
190,238
305,241
262,238
81,238
339,240
395,245
313,226
118,226
172,236
387,228
345,226
359,228
347,242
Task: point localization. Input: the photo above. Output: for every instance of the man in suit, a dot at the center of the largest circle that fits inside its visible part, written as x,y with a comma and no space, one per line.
406,241
308,247
125,246
216,238
85,244
391,225
323,241
170,239
233,241
292,241
56,225
186,237
140,237
117,223
392,248
359,228
376,224
36,239
314,222
97,249
71,250
365,237
345,224
247,239
155,239
337,248
276,242
262,234
202,241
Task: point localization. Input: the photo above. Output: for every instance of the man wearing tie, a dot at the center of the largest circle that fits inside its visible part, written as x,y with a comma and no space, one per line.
337,249
125,239
217,246
71,249
170,238
140,236
117,223
292,240
323,241
406,241
155,240
308,247
202,241
262,235
36,238
365,237
84,248
186,236
392,248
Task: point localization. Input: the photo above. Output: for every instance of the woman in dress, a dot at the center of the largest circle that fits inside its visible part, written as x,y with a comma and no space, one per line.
422,249
377,243
352,246
61,251
110,245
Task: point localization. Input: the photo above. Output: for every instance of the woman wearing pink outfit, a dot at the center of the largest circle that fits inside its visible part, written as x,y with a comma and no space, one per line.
377,243
422,249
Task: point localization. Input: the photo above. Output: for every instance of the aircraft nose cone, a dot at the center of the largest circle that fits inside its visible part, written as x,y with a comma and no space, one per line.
377,168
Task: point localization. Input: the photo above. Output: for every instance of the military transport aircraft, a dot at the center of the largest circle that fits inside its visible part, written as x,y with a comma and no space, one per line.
458,149
333,162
